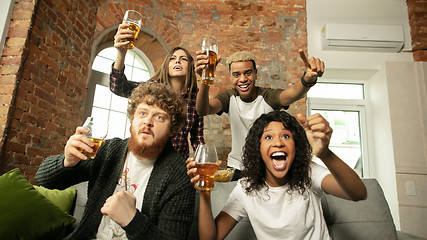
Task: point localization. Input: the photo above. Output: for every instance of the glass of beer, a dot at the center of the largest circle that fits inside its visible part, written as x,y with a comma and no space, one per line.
210,46
98,132
134,19
206,159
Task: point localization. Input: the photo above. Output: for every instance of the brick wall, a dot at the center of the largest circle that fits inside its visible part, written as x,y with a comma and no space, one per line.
48,66
12,59
417,13
45,63
159,26
50,55
272,30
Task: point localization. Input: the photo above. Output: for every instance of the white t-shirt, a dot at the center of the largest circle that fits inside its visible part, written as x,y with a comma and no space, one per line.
242,114
134,179
277,215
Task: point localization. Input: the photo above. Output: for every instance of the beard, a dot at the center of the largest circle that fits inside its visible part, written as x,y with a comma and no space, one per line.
142,150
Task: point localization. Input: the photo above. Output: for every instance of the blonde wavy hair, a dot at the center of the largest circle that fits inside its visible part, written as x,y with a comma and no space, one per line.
242,56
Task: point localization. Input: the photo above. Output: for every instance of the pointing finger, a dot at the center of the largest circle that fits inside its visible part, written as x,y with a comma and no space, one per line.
304,58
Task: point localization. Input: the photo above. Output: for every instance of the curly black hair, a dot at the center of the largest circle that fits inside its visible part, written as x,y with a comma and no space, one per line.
254,170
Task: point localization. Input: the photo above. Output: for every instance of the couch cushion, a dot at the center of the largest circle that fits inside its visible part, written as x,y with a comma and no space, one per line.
367,219
27,214
63,199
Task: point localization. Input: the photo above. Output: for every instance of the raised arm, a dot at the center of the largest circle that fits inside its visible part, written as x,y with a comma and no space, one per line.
314,69
343,181
204,105
196,131
120,44
119,84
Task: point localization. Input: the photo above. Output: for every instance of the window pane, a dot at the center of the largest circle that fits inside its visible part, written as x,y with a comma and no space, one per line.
337,90
127,133
130,55
119,121
345,141
140,75
128,72
101,64
110,106
100,119
109,53
139,63
102,97
119,103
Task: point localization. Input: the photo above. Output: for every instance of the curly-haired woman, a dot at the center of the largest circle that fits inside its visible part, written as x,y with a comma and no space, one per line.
281,187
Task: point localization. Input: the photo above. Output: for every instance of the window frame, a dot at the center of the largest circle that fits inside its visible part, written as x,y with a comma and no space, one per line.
356,105
103,79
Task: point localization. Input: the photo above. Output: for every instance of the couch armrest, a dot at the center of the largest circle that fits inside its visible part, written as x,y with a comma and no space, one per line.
407,236
80,203
367,219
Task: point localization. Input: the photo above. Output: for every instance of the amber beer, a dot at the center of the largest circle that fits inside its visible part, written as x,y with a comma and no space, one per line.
97,143
135,28
208,76
134,19
206,171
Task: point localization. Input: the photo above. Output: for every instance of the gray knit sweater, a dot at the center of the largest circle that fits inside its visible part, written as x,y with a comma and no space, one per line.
168,207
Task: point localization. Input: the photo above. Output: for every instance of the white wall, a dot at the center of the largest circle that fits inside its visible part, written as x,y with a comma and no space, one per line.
6,7
367,66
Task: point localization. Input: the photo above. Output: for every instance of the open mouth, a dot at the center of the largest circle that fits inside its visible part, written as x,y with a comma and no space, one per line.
244,88
279,160
177,67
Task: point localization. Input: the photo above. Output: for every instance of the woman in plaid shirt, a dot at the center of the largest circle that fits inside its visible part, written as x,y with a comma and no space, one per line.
177,70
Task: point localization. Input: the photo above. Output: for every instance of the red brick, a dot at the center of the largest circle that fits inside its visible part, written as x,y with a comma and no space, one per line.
22,15
24,138
17,32
8,89
15,42
15,147
24,6
9,51
7,79
22,24
6,99
35,151
11,60
420,56
4,110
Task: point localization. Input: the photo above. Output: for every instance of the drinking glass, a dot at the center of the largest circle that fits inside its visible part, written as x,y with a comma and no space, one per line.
98,132
134,19
206,159
210,45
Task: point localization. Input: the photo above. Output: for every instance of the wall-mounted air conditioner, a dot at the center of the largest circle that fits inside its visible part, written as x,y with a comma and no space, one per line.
360,37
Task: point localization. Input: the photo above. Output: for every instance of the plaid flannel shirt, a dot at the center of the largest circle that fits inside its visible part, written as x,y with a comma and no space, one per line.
193,124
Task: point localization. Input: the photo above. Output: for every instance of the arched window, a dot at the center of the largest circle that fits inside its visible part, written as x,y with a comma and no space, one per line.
101,102
136,67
